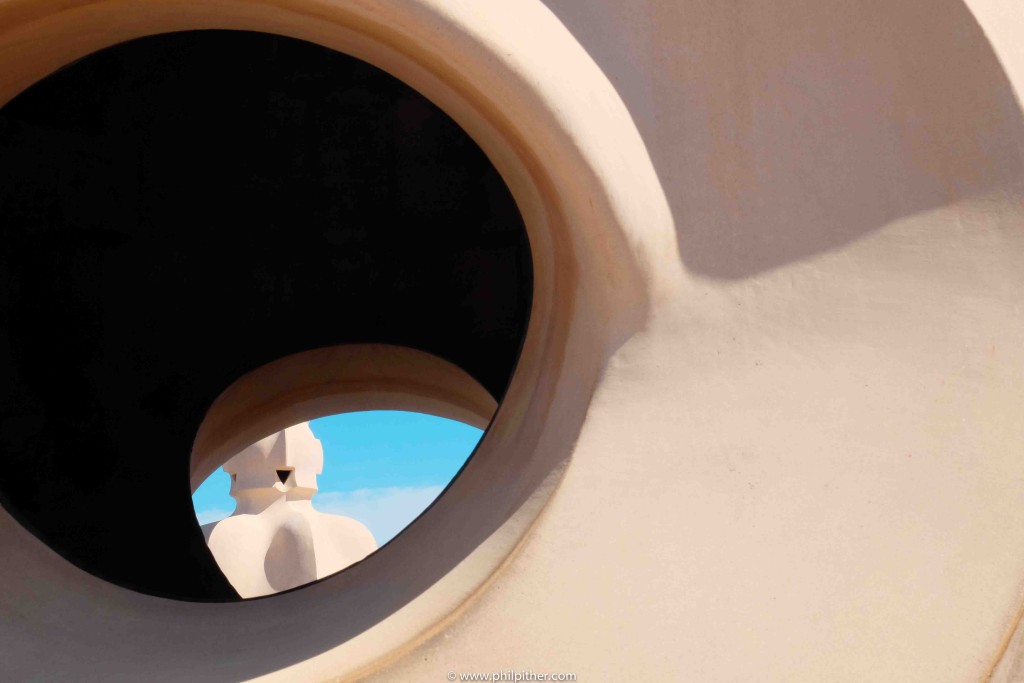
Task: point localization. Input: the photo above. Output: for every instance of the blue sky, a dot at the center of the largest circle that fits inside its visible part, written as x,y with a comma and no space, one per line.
382,467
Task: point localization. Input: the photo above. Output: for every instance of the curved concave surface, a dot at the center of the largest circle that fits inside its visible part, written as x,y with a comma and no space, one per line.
182,209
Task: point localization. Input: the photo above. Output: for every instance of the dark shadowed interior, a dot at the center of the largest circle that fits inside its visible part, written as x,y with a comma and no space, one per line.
181,209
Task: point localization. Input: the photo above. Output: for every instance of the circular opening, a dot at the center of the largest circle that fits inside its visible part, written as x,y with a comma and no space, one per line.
187,211
317,497
594,211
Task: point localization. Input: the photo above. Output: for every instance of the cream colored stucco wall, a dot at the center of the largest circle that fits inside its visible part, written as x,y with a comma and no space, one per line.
781,247
808,467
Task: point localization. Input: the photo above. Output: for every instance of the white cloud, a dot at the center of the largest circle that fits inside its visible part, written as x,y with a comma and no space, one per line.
211,515
385,511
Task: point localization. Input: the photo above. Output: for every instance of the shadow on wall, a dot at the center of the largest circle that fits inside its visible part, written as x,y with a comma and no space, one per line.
784,130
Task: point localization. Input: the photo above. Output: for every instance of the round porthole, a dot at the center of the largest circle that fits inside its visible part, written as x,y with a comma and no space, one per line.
185,212
596,221
315,498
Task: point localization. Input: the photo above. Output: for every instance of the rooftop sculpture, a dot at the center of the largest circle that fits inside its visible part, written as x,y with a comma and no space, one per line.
275,540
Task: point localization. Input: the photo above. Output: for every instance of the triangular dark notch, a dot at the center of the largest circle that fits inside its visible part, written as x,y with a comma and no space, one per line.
283,475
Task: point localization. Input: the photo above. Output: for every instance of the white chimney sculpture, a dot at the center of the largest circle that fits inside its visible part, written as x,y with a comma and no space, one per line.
275,540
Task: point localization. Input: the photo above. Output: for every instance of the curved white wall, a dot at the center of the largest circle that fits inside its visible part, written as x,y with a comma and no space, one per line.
767,425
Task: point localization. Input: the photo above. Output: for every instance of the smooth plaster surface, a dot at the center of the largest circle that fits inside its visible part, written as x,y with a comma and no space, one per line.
767,423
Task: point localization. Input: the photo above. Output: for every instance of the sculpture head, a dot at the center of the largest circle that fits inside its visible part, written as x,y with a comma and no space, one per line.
287,462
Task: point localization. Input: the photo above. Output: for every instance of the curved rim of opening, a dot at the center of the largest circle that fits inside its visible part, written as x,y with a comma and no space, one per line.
340,379
587,211
335,380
